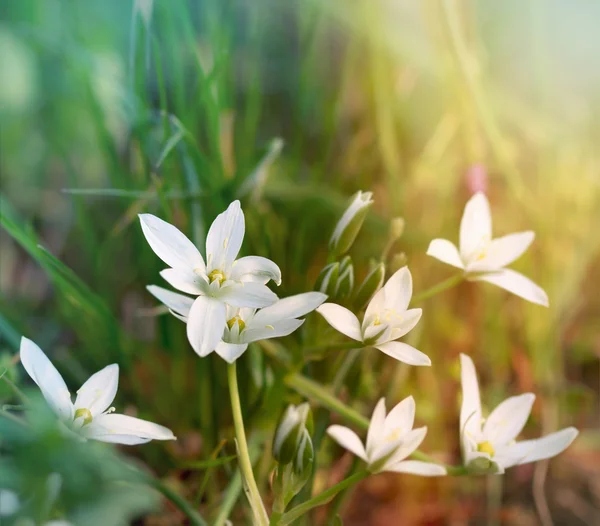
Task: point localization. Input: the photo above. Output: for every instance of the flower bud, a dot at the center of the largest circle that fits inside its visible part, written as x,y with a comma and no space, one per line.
290,431
305,454
370,285
482,466
398,261
350,223
397,228
328,279
345,281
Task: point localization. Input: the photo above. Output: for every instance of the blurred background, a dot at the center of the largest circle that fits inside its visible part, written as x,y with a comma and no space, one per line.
112,108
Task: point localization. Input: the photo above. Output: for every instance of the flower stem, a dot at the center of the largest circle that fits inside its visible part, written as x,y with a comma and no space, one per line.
321,498
243,454
452,281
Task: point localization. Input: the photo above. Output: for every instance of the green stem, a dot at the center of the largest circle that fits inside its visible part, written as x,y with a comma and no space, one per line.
452,281
183,505
321,498
243,454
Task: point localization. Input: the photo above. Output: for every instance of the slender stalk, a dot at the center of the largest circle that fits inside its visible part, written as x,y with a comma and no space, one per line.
452,281
321,498
243,453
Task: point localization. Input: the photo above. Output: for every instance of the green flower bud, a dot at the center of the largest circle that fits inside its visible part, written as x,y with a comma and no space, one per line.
370,285
345,282
482,466
328,278
305,454
350,223
397,226
289,434
398,261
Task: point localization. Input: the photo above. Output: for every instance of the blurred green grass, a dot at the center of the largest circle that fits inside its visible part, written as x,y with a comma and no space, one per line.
177,117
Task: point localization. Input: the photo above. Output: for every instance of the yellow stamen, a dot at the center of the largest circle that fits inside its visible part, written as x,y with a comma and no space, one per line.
216,275
238,320
486,447
85,414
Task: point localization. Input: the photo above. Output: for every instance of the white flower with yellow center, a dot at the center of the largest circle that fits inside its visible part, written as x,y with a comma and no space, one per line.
483,258
386,319
222,280
247,325
390,440
489,446
91,415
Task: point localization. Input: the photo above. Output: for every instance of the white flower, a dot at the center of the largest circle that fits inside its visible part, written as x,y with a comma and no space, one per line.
222,280
483,258
91,415
9,503
390,440
349,225
246,325
386,319
489,446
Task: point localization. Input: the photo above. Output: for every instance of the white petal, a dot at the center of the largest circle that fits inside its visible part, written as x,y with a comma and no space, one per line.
538,449
503,251
123,429
185,281
170,244
206,324
341,319
376,427
401,417
225,238
475,226
380,333
470,411
408,444
9,502
375,306
417,467
255,268
446,252
230,352
290,307
348,439
177,303
517,284
508,419
47,378
398,290
409,320
99,391
404,353
247,294
276,330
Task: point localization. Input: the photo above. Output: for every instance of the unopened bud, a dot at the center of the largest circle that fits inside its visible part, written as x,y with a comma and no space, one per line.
290,431
370,285
398,261
305,454
328,279
397,228
350,223
345,282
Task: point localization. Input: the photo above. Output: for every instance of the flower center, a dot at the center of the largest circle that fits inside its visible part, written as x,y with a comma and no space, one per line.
239,321
216,275
486,447
86,414
394,435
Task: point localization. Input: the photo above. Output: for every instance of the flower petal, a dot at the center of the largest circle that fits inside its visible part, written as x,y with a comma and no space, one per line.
9,502
503,251
517,284
99,391
247,294
401,417
348,439
341,319
375,434
538,449
206,324
375,306
123,429
177,303
230,352
408,323
408,444
170,244
47,378
277,330
446,252
404,353
398,290
225,238
417,467
290,307
475,226
256,269
470,411
508,419
185,281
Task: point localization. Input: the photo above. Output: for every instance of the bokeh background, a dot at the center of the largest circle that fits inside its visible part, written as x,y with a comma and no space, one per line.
177,107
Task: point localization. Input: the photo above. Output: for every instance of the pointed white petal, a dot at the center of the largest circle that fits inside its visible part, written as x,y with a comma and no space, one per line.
247,294
408,322
404,353
47,378
380,333
503,251
475,226
290,307
398,290
99,391
375,306
376,427
277,330
341,319
230,352
225,238
348,439
170,244
445,251
417,467
177,303
517,284
470,411
185,281
538,449
255,268
206,324
123,429
402,416
408,444
508,419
